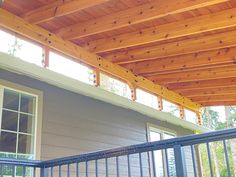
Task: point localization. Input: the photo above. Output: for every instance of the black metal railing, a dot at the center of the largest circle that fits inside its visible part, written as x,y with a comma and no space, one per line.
137,160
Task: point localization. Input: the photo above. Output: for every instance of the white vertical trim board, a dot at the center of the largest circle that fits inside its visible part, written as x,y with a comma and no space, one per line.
1,105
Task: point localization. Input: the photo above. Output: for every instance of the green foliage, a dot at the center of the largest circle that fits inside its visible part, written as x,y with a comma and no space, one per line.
219,151
211,120
14,47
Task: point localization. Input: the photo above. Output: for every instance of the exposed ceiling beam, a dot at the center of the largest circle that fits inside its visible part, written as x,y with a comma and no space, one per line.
220,103
201,74
209,92
192,45
18,25
215,98
59,8
211,22
205,84
139,14
186,62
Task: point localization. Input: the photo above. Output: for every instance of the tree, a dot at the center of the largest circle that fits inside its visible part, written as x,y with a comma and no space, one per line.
13,48
212,121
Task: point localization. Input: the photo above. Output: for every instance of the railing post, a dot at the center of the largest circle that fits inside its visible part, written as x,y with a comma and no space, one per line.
179,163
43,172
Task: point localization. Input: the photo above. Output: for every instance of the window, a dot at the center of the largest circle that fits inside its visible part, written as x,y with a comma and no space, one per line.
157,134
115,86
170,107
146,98
20,48
66,66
190,116
17,123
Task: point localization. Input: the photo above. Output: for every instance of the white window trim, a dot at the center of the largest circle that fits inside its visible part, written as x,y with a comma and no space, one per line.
161,130
39,106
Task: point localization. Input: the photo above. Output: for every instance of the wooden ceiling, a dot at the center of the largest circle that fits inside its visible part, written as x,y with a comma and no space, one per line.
188,46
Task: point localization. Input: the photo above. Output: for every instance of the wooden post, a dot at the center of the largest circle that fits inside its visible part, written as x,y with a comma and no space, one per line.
96,76
133,92
181,111
45,61
160,105
199,116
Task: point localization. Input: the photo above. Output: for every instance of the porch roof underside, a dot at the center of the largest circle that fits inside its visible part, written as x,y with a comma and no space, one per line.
182,45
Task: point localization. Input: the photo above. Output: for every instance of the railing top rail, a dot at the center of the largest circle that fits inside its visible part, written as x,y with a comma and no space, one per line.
18,162
144,147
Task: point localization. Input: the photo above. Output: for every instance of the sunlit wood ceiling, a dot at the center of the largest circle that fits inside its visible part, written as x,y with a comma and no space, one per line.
189,46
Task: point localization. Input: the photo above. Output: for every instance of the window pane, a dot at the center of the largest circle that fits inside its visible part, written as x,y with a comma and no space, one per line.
170,108
27,104
24,144
11,100
155,136
7,142
171,156
70,68
9,120
20,48
190,116
115,86
26,123
146,98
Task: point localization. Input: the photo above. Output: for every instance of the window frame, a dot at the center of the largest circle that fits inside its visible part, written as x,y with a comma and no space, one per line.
38,111
161,131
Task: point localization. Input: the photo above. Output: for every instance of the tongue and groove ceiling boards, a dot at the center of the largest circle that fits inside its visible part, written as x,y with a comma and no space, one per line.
187,46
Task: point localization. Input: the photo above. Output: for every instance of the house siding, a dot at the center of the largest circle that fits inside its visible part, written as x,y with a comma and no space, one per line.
74,124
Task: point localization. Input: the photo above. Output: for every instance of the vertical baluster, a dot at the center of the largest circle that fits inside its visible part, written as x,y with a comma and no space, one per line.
128,161
59,170
24,171
106,162
34,172
68,170
13,171
227,158
153,164
51,172
194,160
77,169
1,170
141,164
44,172
96,168
179,161
86,168
167,163
117,166
209,159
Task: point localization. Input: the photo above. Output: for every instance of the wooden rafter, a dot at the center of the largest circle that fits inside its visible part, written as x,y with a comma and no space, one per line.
209,59
206,23
209,92
201,74
192,45
59,8
16,24
215,98
143,13
219,103
205,84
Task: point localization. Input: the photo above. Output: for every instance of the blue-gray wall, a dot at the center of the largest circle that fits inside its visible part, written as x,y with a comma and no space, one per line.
74,124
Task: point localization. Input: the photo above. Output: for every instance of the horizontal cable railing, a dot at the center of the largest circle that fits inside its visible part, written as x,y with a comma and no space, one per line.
172,157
